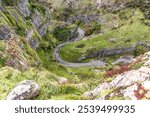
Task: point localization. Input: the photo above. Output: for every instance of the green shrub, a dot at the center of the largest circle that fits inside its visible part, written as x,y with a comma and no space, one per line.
61,33
140,50
39,7
93,28
62,14
21,30
8,2
45,45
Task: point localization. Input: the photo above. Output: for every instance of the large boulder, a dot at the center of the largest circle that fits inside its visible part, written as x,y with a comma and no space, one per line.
25,90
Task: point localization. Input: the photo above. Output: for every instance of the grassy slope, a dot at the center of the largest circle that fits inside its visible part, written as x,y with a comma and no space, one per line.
80,82
132,29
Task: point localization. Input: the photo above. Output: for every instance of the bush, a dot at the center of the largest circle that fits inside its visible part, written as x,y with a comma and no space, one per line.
20,30
45,45
39,7
61,33
8,2
93,28
2,62
62,14
140,50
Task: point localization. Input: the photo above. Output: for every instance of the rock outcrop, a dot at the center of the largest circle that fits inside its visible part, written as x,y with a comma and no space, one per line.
132,84
23,6
110,52
24,91
117,51
84,18
6,33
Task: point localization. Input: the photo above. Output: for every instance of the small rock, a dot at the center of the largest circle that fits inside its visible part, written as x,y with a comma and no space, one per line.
62,80
113,40
25,90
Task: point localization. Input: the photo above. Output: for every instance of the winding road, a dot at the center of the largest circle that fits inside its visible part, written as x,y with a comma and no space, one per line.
70,64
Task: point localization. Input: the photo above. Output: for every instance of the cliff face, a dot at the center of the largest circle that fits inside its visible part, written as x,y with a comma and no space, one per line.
23,24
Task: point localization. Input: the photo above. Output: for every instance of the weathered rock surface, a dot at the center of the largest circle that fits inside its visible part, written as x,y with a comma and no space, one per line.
5,33
23,6
113,5
134,84
112,51
37,19
25,90
43,29
62,80
84,18
116,51
34,41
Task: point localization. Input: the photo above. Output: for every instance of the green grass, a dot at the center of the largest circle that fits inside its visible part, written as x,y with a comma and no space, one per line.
2,45
134,30
50,88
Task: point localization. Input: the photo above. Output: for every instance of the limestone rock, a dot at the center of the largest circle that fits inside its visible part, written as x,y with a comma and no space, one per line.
62,80
25,90
43,29
130,92
5,33
134,84
33,40
98,90
23,6
146,85
37,19
112,51
147,63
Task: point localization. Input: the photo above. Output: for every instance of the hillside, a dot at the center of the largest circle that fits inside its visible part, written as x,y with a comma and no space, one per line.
63,49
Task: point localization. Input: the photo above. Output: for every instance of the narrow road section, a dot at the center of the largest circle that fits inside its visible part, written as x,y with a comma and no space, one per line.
70,64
